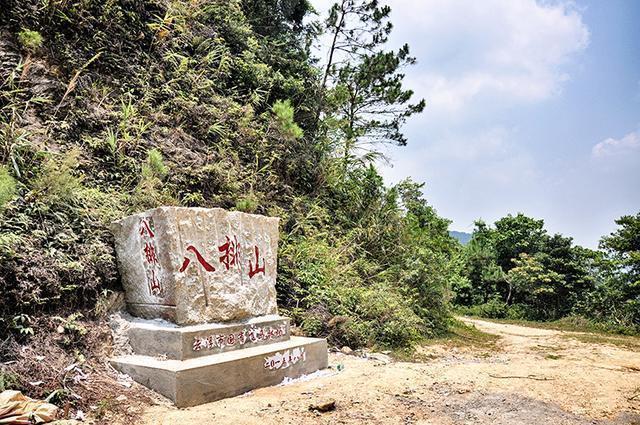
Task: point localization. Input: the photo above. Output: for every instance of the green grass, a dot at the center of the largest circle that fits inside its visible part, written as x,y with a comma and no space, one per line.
569,324
582,330
461,335
622,341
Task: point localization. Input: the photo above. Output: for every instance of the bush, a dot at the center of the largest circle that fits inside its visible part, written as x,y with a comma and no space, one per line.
284,115
494,309
520,312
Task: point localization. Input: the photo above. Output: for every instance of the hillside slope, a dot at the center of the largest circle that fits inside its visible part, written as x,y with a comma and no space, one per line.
109,108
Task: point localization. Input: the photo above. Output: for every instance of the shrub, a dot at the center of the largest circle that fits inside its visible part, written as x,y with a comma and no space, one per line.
56,183
154,166
494,309
150,191
284,116
520,312
9,381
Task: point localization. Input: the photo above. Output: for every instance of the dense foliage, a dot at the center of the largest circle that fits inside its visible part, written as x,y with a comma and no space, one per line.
517,270
111,107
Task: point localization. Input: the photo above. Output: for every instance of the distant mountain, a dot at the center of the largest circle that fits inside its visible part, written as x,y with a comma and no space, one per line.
462,237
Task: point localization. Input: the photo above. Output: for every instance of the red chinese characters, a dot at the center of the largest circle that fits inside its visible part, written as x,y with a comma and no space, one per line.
231,251
150,254
286,359
154,284
230,258
185,263
246,335
255,270
145,229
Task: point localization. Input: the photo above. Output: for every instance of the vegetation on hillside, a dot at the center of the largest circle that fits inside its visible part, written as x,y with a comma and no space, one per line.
109,108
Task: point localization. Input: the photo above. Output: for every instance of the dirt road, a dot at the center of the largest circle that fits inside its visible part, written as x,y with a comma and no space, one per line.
533,376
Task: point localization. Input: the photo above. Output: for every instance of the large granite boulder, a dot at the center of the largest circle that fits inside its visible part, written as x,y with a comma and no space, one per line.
197,265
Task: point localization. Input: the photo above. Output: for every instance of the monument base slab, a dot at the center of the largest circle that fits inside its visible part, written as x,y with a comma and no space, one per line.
161,339
217,376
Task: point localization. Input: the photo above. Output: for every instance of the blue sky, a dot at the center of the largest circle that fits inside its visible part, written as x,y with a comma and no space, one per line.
532,107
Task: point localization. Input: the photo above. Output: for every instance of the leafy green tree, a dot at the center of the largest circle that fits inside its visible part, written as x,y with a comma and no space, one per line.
534,285
573,263
515,235
623,247
618,294
480,267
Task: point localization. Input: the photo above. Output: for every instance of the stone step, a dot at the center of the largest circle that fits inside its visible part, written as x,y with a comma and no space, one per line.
214,377
164,339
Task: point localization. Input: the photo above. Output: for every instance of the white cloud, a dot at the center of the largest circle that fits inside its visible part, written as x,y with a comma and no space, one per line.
609,147
511,49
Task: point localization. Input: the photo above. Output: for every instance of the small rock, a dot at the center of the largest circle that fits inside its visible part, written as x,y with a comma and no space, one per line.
383,358
325,406
346,350
121,397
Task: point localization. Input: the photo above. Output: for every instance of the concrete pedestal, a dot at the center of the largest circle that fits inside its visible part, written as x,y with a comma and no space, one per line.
163,339
212,275
227,374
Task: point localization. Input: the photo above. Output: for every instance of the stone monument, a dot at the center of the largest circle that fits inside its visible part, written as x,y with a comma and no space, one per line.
210,276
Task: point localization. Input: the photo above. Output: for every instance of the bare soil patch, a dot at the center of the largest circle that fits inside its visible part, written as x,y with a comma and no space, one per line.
532,376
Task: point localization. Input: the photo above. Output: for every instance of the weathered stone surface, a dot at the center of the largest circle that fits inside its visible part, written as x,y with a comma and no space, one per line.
210,378
212,274
153,338
197,265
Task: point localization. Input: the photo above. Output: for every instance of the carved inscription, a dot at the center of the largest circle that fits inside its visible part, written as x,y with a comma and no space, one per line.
251,334
286,359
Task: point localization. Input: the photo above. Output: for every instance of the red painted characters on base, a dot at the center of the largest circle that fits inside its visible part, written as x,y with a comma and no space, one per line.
152,268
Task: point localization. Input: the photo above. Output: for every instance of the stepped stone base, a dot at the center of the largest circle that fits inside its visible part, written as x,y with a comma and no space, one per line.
162,339
217,376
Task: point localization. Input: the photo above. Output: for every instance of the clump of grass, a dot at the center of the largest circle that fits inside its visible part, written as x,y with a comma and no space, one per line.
462,335
622,341
553,356
8,381
150,192
30,40
56,181
7,187
154,166
247,204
